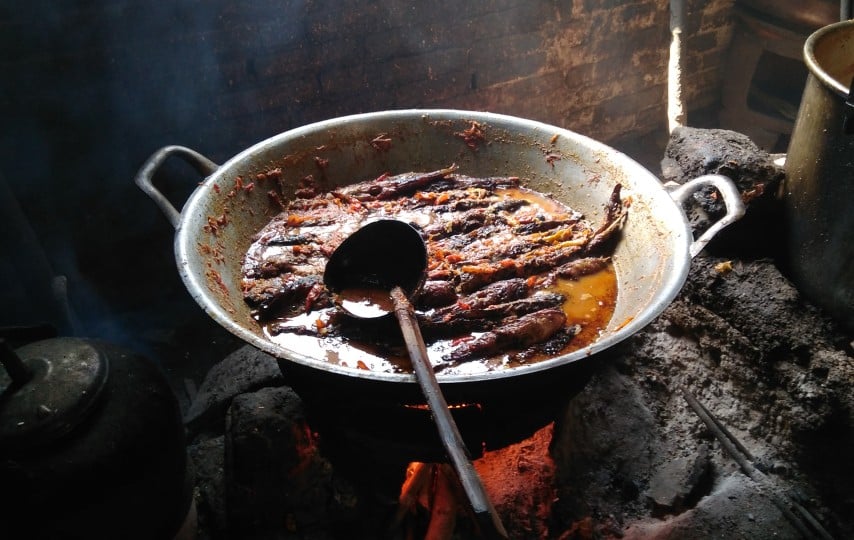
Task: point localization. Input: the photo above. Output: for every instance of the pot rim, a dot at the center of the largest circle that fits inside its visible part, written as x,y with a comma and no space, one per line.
812,62
671,283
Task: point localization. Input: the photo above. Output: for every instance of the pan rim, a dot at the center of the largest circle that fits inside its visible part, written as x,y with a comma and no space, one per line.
185,241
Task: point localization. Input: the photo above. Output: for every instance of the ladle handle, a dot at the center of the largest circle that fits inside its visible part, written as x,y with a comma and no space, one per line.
484,511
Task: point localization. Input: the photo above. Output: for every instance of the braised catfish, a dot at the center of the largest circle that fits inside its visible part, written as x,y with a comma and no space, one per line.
514,276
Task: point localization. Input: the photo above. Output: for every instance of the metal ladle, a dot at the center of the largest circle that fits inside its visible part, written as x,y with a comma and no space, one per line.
375,271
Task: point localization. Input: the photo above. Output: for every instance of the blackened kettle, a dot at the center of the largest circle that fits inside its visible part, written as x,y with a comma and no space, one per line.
91,444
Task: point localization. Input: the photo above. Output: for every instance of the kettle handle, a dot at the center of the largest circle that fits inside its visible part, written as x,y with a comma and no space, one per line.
731,198
15,367
144,178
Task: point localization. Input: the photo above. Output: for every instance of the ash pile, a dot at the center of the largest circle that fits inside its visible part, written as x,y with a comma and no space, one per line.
732,414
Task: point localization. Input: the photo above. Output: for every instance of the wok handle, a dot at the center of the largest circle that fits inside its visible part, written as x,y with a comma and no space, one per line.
145,176
732,201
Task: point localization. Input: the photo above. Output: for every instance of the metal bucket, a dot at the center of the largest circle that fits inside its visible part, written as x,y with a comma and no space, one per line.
819,184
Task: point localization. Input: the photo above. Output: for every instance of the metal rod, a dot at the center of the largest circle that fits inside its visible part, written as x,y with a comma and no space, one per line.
731,445
845,9
715,428
676,115
723,428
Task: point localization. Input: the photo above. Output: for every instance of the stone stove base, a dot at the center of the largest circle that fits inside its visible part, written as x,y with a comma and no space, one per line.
626,457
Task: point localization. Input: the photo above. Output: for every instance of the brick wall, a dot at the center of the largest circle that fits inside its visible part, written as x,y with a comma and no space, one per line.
89,90
596,66
247,70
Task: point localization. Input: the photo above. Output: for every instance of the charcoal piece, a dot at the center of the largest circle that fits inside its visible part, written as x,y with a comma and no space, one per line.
207,458
245,370
274,472
676,484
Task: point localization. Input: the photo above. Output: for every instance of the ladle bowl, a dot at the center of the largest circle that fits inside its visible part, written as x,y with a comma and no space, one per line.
380,255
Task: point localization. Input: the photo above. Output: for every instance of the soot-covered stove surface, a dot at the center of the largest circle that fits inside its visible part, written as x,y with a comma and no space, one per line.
631,454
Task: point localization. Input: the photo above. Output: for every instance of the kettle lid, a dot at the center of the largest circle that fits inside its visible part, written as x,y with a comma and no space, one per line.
47,389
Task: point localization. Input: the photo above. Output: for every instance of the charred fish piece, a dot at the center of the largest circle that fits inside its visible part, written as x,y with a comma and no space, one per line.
282,293
492,205
496,247
266,261
459,242
475,276
544,225
389,187
471,307
579,268
282,238
521,332
443,202
495,293
615,216
460,224
436,293
538,301
486,318
490,183
555,344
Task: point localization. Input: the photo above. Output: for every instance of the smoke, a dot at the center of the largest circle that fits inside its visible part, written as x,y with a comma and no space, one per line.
91,89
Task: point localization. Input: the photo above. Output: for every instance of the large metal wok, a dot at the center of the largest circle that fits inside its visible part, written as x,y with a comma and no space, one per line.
215,226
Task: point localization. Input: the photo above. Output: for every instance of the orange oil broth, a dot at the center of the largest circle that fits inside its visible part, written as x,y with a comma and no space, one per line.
590,302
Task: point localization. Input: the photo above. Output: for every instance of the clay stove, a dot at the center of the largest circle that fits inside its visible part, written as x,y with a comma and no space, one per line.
729,415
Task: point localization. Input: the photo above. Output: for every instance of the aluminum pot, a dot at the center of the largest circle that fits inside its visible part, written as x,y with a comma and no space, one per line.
819,184
216,225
